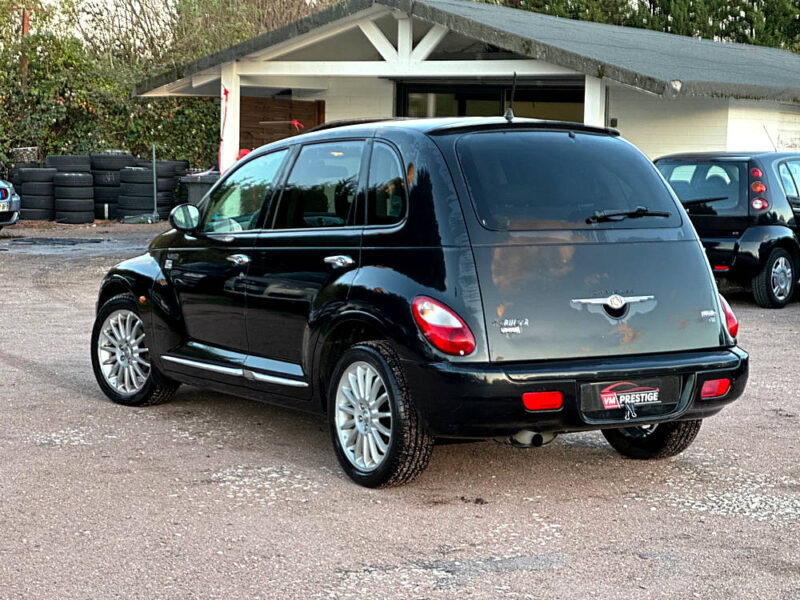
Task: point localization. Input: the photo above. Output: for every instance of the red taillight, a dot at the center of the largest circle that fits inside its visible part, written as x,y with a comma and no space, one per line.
542,400
731,321
758,187
759,204
442,327
755,173
3,193
715,388
720,268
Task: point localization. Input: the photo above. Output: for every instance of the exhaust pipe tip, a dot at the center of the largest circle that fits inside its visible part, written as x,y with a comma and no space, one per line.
526,438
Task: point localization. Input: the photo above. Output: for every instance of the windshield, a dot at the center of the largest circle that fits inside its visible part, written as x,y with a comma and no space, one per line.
534,180
708,187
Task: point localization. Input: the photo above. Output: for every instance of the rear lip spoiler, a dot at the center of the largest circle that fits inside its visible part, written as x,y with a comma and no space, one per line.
530,124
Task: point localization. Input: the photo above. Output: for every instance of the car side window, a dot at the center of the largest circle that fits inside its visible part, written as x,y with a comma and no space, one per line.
236,204
386,195
322,188
790,175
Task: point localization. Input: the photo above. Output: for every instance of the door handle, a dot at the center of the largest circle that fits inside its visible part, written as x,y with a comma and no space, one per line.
339,261
238,260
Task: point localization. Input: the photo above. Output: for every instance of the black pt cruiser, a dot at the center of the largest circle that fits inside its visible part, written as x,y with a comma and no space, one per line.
413,280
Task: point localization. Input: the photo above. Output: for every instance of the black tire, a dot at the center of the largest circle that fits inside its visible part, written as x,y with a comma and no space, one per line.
73,180
106,194
74,192
653,442
156,390
34,174
136,175
410,446
144,202
75,218
105,211
164,168
37,202
146,189
36,188
106,178
764,291
35,214
111,162
69,163
74,205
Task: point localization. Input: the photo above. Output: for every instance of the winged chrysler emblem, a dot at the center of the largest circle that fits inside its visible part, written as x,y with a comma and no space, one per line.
615,307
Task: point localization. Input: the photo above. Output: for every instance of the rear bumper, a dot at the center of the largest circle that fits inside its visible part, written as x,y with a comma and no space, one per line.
11,216
485,400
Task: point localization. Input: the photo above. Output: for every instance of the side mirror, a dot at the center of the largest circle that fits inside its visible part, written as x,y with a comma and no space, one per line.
185,217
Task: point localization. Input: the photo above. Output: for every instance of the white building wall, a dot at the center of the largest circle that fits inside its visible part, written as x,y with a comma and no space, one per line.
660,127
358,98
762,125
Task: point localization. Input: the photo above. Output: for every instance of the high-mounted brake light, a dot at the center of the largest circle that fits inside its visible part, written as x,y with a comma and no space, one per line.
755,173
715,388
443,328
759,204
731,322
758,187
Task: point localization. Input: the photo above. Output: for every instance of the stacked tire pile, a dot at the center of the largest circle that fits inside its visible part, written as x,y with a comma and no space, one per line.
35,188
73,188
106,170
136,188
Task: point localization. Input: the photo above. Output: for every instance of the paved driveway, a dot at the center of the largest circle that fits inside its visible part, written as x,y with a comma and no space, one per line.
216,497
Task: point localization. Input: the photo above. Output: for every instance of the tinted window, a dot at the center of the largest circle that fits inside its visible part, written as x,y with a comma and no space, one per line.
722,183
322,187
556,180
235,205
789,174
386,196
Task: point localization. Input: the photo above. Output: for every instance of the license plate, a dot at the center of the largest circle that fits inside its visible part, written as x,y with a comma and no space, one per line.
4,206
630,398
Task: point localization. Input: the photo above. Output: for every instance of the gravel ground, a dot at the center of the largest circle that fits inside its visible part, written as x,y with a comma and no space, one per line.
216,497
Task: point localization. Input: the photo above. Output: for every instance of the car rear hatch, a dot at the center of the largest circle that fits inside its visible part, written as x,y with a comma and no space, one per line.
560,276
714,193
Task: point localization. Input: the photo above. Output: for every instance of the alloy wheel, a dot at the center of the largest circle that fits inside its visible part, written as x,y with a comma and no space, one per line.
363,416
781,278
123,355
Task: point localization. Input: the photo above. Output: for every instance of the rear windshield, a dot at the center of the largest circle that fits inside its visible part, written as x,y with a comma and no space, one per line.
533,180
708,187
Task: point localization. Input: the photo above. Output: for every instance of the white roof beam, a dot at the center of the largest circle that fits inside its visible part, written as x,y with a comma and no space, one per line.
201,79
379,68
378,40
283,82
429,43
405,39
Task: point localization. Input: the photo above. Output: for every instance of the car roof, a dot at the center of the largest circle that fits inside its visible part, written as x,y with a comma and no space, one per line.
432,127
712,155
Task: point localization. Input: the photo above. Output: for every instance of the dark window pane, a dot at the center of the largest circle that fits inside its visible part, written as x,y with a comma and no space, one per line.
322,187
723,183
788,179
386,193
235,205
522,180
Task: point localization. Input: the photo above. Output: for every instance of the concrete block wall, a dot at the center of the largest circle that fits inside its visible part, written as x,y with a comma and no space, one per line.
358,98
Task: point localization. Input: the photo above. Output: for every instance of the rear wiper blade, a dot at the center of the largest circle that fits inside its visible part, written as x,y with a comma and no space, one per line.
600,216
704,200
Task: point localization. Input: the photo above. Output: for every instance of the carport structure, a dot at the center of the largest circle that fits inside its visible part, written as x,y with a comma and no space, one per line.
383,58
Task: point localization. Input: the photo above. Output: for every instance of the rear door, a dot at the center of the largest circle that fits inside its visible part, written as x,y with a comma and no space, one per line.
311,244
208,268
557,280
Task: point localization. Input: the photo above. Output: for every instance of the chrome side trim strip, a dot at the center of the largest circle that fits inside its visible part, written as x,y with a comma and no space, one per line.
205,366
264,378
247,374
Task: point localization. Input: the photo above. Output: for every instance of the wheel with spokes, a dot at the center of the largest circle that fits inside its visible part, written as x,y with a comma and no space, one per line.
377,434
121,357
661,440
774,286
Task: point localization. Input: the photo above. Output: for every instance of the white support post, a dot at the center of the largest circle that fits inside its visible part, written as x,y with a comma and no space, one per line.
230,111
429,43
594,102
405,39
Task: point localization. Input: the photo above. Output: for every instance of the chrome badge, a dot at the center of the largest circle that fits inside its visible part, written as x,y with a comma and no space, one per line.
616,308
